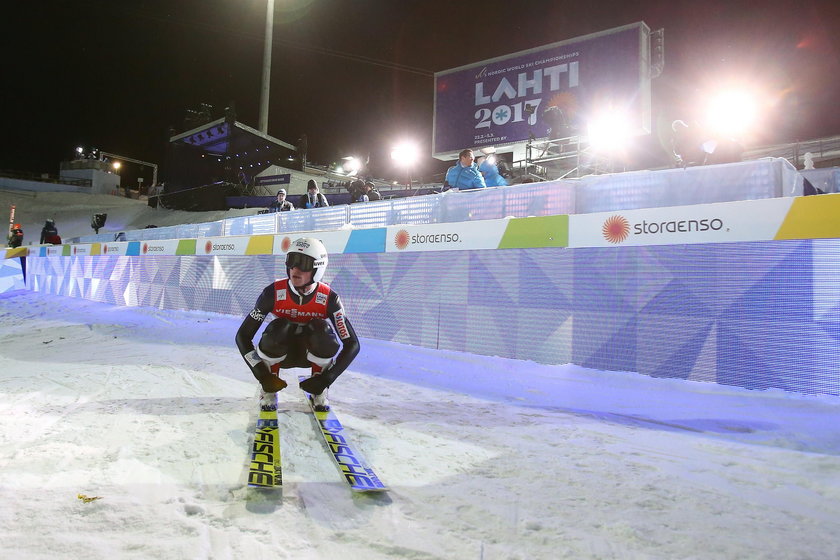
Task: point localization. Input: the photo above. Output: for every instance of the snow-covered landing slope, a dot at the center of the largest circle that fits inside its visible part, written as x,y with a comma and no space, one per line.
151,410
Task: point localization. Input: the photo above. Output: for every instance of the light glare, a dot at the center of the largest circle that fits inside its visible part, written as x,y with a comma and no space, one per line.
405,154
731,113
351,165
609,131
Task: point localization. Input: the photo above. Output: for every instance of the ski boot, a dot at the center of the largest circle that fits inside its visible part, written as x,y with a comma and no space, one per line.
319,402
268,401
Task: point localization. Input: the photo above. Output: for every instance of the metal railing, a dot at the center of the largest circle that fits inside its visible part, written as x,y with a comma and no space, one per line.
750,180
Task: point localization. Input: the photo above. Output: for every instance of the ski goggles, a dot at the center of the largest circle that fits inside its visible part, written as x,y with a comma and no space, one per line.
302,262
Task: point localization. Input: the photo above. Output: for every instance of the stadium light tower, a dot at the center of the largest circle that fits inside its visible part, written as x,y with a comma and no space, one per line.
406,154
266,70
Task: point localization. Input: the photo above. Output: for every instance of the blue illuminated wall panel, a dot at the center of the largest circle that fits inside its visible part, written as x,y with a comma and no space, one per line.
755,315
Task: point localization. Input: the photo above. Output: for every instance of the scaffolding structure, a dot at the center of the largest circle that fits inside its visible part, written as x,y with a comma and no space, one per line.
561,158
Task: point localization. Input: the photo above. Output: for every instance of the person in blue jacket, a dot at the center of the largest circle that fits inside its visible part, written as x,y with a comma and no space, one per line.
464,175
490,171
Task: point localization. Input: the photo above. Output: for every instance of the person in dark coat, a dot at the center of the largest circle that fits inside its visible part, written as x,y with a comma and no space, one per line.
49,233
312,198
281,204
371,192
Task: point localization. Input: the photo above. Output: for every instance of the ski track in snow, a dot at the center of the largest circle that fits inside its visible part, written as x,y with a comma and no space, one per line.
152,410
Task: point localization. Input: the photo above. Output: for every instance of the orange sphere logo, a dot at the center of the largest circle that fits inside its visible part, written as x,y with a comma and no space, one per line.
616,229
401,239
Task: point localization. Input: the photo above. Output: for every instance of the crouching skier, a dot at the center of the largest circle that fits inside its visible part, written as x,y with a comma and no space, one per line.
309,328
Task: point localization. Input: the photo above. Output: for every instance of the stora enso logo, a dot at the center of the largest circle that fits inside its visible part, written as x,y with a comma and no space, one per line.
615,229
401,239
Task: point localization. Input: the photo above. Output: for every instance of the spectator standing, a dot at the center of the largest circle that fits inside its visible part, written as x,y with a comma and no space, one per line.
16,236
357,191
49,233
281,204
371,192
490,171
312,198
464,175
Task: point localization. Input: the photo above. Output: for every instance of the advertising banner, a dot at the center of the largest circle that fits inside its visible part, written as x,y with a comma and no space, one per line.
85,249
725,222
544,92
117,248
236,245
18,252
334,241
462,236
809,217
167,247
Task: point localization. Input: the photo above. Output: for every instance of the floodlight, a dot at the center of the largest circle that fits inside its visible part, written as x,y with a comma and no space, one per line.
351,165
609,130
405,154
731,113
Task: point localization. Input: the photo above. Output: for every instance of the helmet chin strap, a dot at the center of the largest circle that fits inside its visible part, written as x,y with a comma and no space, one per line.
304,287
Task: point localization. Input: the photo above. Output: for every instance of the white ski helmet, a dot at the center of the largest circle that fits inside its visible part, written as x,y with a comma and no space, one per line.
308,253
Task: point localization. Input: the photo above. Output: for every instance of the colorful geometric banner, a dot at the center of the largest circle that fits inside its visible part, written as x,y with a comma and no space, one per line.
812,217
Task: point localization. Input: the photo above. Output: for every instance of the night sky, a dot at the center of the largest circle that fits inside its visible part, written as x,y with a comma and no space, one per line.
356,76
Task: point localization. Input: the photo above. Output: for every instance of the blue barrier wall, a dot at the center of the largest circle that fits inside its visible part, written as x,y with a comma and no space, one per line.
755,315
11,275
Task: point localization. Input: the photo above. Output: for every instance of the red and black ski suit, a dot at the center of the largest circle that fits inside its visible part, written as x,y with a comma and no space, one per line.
307,330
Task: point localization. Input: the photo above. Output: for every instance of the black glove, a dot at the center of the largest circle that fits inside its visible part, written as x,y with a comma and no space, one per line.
316,384
270,383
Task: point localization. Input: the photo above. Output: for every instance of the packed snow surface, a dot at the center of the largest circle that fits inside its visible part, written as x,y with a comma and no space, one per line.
152,412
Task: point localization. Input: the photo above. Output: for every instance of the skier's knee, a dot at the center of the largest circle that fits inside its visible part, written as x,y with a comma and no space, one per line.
322,342
274,342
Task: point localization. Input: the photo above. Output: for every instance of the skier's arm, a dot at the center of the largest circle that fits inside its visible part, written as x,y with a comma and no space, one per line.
349,341
245,337
253,320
